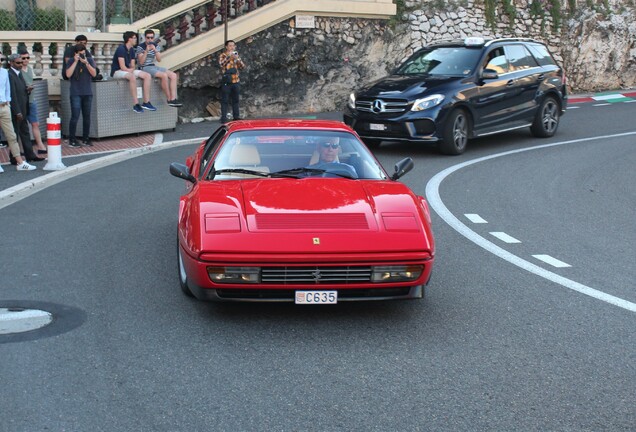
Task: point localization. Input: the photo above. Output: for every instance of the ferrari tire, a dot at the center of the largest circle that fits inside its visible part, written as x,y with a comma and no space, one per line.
546,121
183,277
455,133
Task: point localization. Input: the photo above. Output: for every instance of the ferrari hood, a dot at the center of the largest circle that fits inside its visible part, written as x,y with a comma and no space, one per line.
287,215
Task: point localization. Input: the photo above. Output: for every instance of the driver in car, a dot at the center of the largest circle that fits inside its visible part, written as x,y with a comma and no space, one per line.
328,149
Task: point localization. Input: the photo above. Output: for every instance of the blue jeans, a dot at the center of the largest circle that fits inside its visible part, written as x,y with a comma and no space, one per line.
80,104
230,95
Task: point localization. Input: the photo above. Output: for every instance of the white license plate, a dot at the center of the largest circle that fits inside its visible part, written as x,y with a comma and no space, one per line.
377,126
316,297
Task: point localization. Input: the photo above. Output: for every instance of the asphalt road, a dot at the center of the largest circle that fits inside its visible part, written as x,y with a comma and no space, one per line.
493,346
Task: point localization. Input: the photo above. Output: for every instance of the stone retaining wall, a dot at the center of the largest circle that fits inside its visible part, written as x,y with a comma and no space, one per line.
303,70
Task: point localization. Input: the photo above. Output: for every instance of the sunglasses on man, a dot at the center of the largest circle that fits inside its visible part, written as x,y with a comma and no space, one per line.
333,146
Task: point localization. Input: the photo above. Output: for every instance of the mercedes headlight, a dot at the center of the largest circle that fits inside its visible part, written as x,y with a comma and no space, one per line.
427,102
352,101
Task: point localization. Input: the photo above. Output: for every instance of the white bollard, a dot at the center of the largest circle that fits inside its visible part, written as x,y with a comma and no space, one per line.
54,143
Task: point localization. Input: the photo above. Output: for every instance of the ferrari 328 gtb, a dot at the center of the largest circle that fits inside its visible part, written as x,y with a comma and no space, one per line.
299,211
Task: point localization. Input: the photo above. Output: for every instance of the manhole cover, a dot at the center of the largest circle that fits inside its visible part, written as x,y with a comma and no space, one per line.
19,320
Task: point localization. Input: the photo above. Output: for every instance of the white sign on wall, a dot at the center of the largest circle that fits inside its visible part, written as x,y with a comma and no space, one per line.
305,21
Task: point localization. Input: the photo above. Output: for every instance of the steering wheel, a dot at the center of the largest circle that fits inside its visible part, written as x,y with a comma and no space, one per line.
335,168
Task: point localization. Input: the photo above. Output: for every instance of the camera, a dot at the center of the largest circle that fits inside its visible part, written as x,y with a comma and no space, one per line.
234,52
83,56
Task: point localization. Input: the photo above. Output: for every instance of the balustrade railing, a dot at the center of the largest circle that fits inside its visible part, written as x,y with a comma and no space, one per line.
181,23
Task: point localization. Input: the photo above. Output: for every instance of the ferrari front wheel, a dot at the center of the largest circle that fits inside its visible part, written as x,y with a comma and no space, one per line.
183,277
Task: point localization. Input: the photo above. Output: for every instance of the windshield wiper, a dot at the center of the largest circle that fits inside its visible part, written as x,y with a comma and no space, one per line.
240,171
295,172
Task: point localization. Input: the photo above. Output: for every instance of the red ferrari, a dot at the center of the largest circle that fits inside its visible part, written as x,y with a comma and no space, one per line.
298,210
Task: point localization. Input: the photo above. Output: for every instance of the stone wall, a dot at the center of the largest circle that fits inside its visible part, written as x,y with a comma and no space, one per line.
309,70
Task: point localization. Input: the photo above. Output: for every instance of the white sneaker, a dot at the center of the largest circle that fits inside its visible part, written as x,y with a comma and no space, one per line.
25,167
1,170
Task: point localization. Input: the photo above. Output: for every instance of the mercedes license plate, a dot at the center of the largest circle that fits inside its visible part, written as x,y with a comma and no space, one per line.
316,297
377,126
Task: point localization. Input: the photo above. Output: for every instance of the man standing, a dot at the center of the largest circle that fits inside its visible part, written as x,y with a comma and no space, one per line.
148,55
230,63
69,52
20,106
80,70
27,73
7,125
124,67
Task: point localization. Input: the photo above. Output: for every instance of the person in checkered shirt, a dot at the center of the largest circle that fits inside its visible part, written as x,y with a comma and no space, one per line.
230,63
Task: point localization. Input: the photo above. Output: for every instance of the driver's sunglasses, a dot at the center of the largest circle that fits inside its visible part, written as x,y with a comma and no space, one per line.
333,146
26,58
150,37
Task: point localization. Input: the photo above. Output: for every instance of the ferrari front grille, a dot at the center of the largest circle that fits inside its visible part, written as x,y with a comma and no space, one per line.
315,275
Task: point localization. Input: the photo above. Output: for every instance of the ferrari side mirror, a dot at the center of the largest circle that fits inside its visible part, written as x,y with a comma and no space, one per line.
181,171
402,167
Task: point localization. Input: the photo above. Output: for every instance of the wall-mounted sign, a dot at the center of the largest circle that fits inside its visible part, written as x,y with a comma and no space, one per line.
305,21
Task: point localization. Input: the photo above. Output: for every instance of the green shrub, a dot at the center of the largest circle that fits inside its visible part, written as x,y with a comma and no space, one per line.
7,21
51,19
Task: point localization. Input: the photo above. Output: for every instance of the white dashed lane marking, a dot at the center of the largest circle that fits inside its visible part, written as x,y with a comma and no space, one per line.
552,261
505,237
475,218
438,206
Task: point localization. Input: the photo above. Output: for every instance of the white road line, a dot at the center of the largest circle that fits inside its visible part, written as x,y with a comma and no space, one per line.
436,203
603,104
630,101
552,261
504,237
475,218
25,189
573,107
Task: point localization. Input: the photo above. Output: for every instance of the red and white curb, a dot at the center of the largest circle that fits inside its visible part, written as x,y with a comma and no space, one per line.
604,97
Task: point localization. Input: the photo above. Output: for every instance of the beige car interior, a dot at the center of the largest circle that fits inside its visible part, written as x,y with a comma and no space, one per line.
246,156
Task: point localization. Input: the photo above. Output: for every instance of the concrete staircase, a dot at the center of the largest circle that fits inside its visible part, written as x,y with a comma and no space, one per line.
243,26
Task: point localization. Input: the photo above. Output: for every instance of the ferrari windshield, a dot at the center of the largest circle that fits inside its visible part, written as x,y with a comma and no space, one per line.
445,61
293,153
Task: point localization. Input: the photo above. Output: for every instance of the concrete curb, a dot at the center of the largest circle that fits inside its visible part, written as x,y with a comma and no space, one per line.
25,189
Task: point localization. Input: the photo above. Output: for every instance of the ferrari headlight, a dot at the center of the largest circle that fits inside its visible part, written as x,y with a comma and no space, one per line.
352,101
427,102
237,275
396,273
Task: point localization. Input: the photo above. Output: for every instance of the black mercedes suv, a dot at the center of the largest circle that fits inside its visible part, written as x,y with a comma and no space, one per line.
449,92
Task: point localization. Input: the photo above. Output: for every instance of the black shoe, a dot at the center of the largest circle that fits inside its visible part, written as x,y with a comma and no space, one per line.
174,103
87,142
73,143
42,152
36,159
